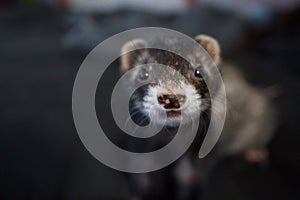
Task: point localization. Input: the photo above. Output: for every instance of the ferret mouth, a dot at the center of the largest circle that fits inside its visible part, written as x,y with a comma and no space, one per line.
173,113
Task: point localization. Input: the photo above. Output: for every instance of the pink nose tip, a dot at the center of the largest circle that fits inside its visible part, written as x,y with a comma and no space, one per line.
171,101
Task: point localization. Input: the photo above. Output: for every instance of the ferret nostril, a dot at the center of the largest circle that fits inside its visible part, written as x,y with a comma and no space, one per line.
161,99
176,104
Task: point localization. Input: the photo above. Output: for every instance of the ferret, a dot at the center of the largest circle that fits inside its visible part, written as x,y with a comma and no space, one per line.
182,94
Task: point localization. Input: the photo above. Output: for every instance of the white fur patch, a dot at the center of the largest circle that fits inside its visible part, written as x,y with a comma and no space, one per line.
189,110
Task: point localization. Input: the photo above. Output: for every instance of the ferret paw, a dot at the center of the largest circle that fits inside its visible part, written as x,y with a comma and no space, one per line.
258,155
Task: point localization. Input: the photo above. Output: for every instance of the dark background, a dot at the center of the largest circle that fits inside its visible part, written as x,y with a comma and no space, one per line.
41,155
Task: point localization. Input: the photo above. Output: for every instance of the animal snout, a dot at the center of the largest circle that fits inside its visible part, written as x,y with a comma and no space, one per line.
171,101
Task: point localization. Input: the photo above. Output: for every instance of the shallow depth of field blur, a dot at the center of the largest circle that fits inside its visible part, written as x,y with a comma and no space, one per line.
43,43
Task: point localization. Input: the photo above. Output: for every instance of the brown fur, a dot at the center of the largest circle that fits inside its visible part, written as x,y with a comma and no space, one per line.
211,46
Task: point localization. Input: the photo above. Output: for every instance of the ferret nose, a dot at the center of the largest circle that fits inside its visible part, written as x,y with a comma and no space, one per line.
171,101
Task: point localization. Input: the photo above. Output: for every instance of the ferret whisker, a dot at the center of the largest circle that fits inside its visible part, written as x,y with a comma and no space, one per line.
130,117
217,114
193,122
153,124
137,126
136,111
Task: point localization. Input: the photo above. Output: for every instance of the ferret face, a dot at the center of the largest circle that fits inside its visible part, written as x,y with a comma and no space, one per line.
171,85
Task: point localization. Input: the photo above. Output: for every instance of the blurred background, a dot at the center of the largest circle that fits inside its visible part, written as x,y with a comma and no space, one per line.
42,44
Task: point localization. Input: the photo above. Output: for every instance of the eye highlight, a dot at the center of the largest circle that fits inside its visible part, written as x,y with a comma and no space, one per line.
199,72
143,74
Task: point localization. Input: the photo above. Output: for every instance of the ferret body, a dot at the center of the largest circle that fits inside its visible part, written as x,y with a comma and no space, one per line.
183,94
250,118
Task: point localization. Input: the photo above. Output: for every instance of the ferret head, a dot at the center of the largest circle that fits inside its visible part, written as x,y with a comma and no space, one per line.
171,84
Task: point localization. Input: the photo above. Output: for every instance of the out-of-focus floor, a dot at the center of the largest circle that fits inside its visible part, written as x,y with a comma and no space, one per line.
41,155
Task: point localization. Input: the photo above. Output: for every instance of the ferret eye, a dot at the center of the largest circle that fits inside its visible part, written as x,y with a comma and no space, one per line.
198,72
143,74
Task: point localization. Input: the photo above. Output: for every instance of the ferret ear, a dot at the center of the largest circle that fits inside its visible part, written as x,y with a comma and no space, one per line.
211,45
132,52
